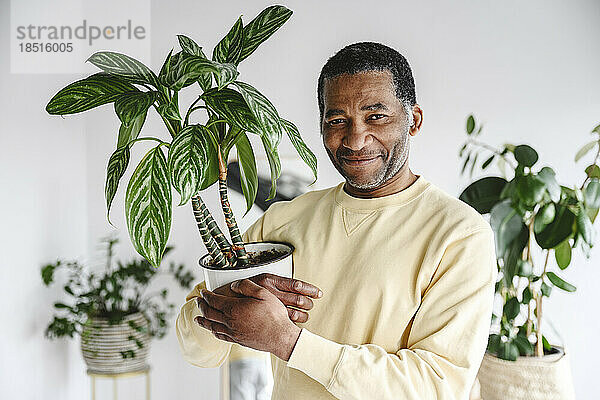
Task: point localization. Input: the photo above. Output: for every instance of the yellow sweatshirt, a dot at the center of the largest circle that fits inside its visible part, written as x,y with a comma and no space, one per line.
408,284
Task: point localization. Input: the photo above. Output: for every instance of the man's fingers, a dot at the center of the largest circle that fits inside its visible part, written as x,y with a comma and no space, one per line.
214,327
290,285
218,301
250,289
297,315
210,313
295,300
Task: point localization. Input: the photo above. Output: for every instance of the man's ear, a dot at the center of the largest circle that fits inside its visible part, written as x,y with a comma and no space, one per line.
417,120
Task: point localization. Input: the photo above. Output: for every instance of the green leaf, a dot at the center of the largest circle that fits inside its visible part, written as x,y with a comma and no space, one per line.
264,112
464,166
148,206
229,49
525,155
584,225
506,223
117,164
548,176
546,344
262,27
511,308
525,268
274,165
470,124
494,341
543,217
186,69
591,194
513,254
130,132
546,289
85,94
303,151
508,351
558,230
226,74
527,296
530,189
230,105
191,47
593,171
124,66
562,254
131,105
248,174
484,193
188,161
524,345
487,162
170,110
558,282
585,149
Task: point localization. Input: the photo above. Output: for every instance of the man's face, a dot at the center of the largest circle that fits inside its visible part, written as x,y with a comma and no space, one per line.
365,128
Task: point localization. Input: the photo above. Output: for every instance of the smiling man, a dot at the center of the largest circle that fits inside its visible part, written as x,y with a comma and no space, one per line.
406,271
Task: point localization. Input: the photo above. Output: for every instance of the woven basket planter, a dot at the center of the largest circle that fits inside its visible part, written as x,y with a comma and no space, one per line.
527,378
102,344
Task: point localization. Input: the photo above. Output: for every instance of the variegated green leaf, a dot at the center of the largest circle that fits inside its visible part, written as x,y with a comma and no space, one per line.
262,27
274,165
188,161
226,74
117,164
303,151
166,67
124,66
131,105
186,69
127,133
228,50
248,174
230,105
148,206
264,112
170,110
85,94
191,47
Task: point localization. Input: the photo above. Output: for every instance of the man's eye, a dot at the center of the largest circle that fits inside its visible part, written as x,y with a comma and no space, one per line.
336,121
376,116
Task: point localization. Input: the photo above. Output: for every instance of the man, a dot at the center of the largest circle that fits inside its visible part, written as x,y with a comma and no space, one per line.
406,271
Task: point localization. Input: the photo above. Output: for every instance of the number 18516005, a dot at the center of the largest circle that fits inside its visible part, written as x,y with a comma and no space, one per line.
40,47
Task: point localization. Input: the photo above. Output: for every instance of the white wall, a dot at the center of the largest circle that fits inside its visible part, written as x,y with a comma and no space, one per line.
529,70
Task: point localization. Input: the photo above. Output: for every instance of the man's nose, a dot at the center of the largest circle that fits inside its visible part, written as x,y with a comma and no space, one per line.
357,136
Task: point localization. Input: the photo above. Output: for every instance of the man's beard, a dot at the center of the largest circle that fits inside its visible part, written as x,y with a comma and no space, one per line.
399,155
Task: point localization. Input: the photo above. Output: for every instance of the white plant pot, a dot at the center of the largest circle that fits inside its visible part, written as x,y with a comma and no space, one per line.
527,378
282,266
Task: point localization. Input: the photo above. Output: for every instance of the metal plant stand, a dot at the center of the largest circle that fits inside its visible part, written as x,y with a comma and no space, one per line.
114,377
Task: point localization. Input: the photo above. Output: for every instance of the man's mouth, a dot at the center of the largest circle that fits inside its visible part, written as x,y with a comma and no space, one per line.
356,161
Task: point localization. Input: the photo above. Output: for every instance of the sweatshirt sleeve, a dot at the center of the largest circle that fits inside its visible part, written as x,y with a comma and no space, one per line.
198,345
446,342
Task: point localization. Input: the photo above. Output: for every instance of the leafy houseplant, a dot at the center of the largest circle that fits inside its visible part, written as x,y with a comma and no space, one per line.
197,153
117,296
533,218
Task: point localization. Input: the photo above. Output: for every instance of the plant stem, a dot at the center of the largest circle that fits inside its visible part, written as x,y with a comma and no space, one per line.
150,138
594,163
215,231
492,149
539,348
167,123
211,245
234,233
191,109
529,320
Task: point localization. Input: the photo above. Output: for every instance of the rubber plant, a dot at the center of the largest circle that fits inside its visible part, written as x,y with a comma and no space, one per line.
196,153
537,224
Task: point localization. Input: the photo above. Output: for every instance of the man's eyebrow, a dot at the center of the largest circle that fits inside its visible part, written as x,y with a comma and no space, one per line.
333,112
373,107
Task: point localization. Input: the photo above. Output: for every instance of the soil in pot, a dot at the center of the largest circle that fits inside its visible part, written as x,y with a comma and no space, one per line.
258,258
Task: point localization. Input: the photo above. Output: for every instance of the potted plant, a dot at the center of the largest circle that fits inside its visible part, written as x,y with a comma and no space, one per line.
111,312
537,224
197,153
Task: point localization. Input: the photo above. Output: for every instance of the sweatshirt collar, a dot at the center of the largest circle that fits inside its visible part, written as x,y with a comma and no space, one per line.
404,196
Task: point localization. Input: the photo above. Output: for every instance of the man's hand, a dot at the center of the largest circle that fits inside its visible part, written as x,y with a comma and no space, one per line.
291,292
258,320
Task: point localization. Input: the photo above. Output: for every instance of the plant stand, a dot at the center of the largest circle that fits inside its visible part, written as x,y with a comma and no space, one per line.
114,377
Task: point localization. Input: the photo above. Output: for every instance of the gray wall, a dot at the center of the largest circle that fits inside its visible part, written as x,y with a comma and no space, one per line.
528,70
